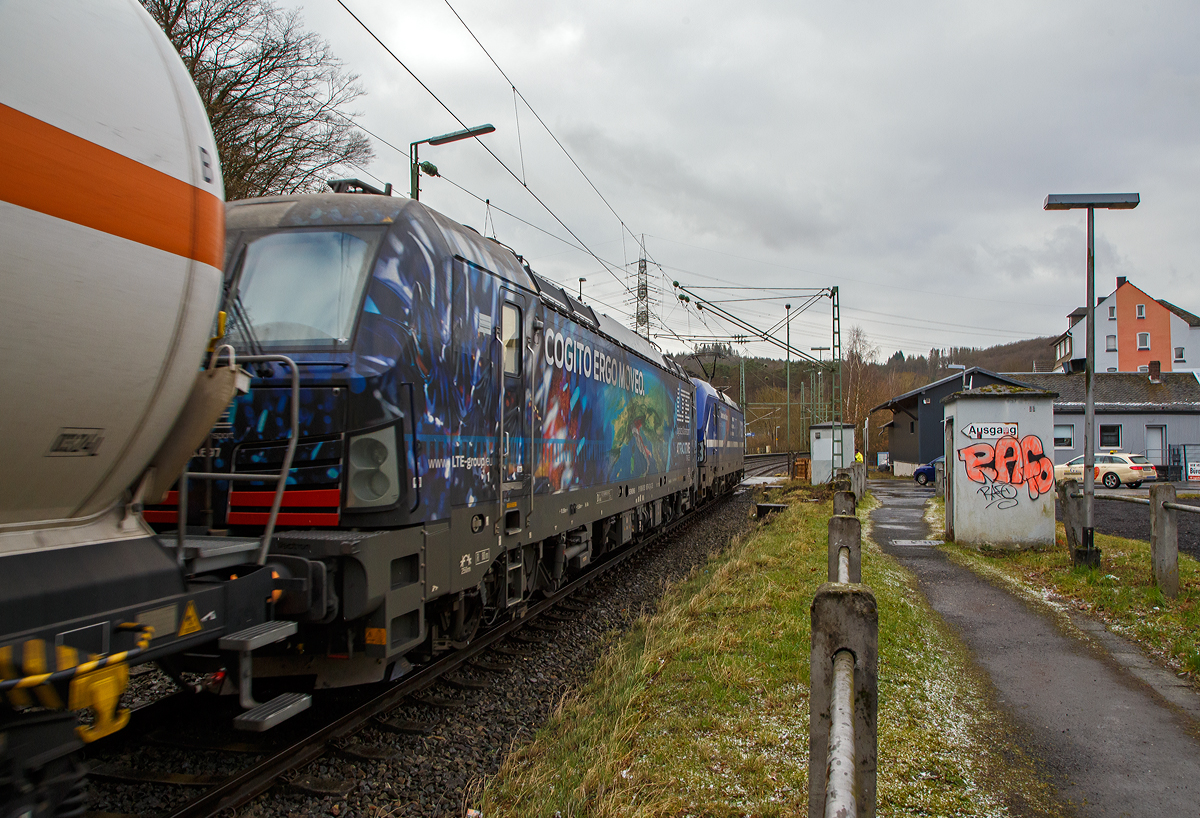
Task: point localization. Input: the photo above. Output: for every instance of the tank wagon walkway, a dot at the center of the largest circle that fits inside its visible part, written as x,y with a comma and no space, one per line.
1096,717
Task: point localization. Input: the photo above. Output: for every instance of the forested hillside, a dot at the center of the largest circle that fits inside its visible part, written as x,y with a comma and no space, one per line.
869,378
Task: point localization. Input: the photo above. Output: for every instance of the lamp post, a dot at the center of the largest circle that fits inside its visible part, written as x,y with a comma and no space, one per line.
1088,553
777,437
416,167
788,400
964,373
820,374
581,280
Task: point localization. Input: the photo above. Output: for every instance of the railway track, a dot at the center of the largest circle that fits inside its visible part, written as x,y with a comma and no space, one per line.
762,465
276,760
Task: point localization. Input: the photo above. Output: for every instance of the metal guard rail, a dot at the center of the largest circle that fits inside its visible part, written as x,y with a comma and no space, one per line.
844,675
280,478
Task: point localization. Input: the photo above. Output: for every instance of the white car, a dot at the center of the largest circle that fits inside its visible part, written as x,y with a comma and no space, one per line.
1112,469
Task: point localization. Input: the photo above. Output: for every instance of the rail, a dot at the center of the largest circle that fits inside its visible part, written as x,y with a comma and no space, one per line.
1164,526
239,788
844,669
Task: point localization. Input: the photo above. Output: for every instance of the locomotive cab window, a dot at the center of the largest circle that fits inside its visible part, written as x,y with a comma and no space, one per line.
510,334
302,289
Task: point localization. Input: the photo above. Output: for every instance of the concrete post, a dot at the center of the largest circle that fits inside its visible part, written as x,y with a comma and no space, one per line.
939,480
845,532
1073,516
1164,539
844,617
1072,510
841,481
844,502
858,478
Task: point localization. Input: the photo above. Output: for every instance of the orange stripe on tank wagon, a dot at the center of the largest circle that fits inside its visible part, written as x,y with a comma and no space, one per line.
49,170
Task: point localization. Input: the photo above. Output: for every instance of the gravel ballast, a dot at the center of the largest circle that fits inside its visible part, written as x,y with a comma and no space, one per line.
471,729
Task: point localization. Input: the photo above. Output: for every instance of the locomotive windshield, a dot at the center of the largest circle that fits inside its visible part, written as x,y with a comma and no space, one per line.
302,288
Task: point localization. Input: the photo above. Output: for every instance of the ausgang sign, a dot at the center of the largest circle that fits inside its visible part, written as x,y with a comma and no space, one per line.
989,431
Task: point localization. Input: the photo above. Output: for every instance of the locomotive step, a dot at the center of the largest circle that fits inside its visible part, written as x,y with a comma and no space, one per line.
252,638
271,713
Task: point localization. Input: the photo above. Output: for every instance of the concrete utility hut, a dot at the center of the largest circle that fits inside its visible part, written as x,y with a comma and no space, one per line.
820,444
1000,467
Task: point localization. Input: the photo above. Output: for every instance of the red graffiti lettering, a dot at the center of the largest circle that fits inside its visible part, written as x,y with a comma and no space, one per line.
1010,461
1039,469
978,460
1010,465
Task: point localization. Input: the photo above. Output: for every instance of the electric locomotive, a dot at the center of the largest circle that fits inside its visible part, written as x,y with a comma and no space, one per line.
470,433
720,439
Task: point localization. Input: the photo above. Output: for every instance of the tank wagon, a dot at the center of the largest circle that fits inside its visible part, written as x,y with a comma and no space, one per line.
111,224
470,433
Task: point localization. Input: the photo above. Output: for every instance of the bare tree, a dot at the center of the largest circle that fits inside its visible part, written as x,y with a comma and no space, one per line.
860,379
275,94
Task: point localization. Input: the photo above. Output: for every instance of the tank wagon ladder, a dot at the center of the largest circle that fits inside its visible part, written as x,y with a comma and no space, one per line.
218,552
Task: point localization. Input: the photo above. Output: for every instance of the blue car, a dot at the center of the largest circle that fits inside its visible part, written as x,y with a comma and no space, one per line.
924,475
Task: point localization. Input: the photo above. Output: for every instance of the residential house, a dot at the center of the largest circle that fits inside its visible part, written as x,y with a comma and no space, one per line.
1153,414
1132,331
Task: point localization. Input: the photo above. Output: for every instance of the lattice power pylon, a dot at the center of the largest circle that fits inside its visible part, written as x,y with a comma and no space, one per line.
642,315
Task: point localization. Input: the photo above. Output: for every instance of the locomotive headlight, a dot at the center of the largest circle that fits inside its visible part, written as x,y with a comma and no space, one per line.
372,472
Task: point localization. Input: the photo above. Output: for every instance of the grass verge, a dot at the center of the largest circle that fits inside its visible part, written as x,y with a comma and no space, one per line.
1121,592
702,708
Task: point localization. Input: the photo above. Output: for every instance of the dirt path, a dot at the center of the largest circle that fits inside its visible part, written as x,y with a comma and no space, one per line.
1107,740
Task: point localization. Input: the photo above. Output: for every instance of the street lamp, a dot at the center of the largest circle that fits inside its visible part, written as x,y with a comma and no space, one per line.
1105,201
788,307
820,373
963,367
430,169
581,280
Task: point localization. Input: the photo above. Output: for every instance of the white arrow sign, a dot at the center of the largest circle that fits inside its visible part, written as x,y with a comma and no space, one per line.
991,431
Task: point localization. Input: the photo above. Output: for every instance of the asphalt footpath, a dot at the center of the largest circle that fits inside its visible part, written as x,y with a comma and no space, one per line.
1115,734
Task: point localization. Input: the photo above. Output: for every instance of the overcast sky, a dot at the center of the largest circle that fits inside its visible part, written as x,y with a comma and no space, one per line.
898,151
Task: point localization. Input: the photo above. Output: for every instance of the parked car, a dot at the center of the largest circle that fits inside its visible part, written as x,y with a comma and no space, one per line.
1112,469
924,475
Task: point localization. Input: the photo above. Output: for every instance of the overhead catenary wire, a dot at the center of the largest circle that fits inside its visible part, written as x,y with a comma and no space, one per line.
579,244
539,119
483,144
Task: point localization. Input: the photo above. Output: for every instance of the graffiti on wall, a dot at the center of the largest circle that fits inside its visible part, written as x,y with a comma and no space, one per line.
1004,466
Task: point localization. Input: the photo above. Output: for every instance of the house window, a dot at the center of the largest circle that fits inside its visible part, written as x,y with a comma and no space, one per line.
1110,437
1143,369
1112,369
1143,340
912,426
1110,343
1179,355
1141,310
1112,313
1064,436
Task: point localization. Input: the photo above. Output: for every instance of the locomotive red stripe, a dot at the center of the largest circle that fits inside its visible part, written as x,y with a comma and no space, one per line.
160,516
285,518
292,498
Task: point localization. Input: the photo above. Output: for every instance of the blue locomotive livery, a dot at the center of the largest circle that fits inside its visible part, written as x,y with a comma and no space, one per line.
470,434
